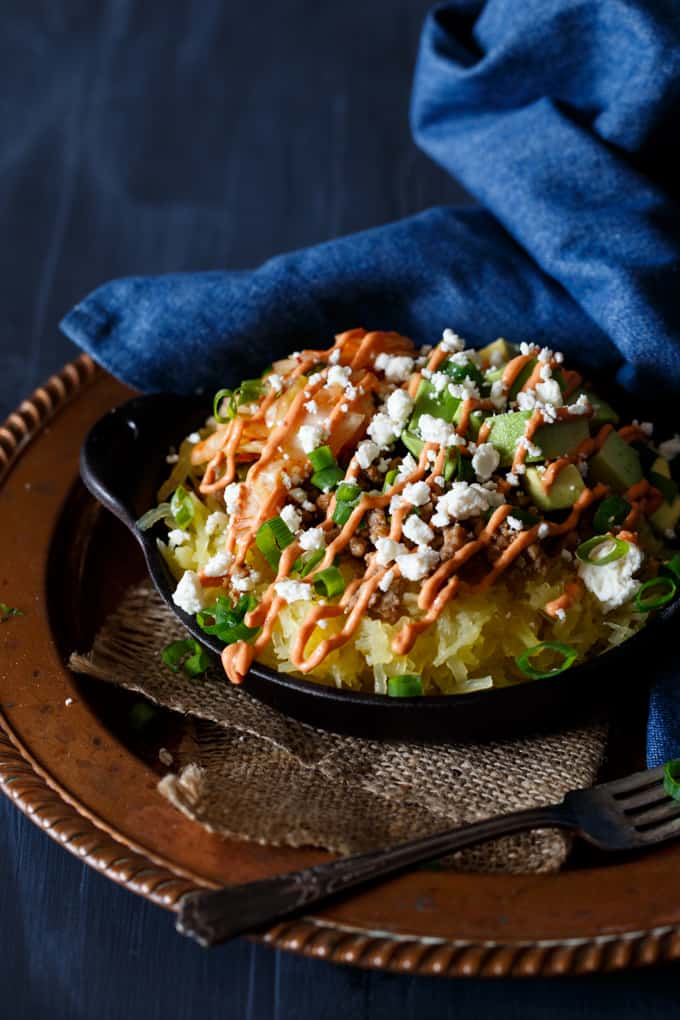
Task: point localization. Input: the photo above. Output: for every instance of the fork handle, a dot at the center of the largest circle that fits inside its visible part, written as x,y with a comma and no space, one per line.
212,916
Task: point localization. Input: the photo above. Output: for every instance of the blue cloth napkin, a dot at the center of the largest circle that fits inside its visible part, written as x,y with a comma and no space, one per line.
560,117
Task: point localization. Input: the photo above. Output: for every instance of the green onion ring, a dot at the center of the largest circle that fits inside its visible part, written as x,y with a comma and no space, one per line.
618,552
404,685
644,605
327,478
305,564
672,568
671,778
152,517
523,661
322,458
182,507
272,538
217,402
329,582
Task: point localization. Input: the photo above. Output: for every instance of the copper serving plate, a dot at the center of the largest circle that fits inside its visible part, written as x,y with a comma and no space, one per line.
78,771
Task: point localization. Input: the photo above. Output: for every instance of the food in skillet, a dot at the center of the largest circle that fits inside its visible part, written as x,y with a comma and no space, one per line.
407,521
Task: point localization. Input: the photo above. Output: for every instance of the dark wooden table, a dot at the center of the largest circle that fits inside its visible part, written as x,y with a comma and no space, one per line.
145,138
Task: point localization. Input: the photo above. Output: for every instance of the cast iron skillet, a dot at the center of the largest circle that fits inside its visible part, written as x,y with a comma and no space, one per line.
123,465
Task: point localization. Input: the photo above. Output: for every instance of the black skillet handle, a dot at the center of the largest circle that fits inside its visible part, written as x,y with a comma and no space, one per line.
122,461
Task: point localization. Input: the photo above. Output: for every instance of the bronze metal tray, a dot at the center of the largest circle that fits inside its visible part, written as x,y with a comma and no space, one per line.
78,771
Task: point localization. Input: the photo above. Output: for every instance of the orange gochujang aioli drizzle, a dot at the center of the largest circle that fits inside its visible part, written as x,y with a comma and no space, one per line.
268,436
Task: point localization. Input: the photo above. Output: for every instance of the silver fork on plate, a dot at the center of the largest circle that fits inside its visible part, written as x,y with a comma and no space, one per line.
627,814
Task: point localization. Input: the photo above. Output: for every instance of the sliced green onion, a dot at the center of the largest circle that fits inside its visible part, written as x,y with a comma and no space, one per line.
615,549
346,492
405,685
322,457
343,512
227,619
669,590
523,661
327,478
7,612
182,507
451,464
671,778
347,497
151,517
305,564
611,511
672,568
217,404
458,372
666,486
272,538
186,654
329,582
390,479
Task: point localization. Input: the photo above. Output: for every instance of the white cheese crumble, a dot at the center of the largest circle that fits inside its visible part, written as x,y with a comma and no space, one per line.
314,538
613,583
245,581
385,582
172,458
406,468
388,550
334,356
382,430
435,430
416,565
580,406
339,375
367,451
451,342
464,500
548,391
514,523
274,382
439,381
177,537
416,493
561,614
543,530
292,591
531,448
311,437
312,407
396,368
485,461
417,530
218,565
189,595
232,496
399,406
512,478
291,518
464,390
217,521
194,438
670,448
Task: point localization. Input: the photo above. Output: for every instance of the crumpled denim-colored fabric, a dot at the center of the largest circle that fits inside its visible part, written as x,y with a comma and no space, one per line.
560,117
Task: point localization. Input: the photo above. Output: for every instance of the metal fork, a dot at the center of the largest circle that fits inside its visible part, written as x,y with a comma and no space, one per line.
626,814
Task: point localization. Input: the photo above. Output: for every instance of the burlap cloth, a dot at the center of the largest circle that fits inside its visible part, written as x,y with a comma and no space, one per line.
245,771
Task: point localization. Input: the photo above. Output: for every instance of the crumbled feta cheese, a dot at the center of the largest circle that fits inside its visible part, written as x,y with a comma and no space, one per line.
525,348
416,565
232,496
308,506
311,437
440,481
395,504
514,523
315,378
670,448
545,355
396,368
543,530
172,458
366,453
216,522
549,392
314,538
464,390
385,581
417,530
165,757
464,500
580,406
339,375
293,591
406,468
291,518
334,356
531,448
645,426
218,565
189,595
485,461
512,478
416,493
286,479
344,408
194,437
613,583
451,342
312,407
669,533
435,430
274,382
526,400
521,469
388,550
561,614
399,406
498,395
177,537
245,581
439,381
566,555
382,430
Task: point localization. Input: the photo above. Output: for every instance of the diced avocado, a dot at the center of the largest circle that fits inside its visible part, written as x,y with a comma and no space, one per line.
500,352
428,401
562,494
459,372
616,464
603,413
561,438
521,379
506,430
647,455
493,375
412,442
660,477
667,516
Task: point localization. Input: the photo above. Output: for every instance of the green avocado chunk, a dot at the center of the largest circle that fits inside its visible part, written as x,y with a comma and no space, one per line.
562,494
505,432
500,351
667,516
521,379
617,464
413,443
561,438
428,401
475,421
603,413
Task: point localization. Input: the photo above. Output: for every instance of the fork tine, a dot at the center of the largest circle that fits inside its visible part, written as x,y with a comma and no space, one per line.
647,796
659,832
669,809
634,782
